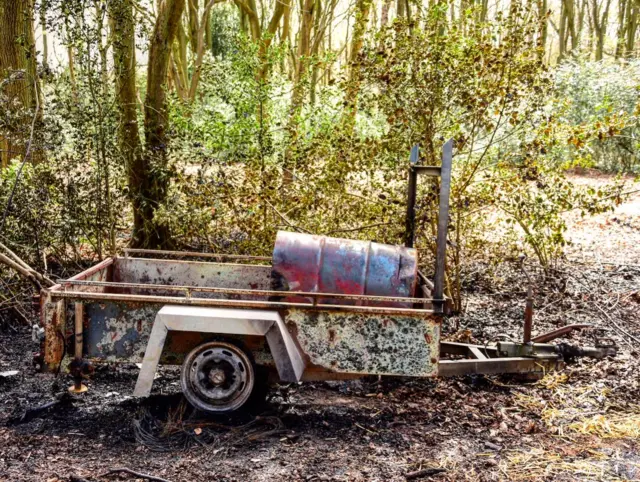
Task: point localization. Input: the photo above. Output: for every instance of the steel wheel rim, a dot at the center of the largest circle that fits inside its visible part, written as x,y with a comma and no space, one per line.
217,377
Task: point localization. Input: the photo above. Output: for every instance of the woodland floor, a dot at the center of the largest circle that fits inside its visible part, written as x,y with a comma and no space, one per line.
579,424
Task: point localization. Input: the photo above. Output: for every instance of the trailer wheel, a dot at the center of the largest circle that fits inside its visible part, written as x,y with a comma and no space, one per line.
217,377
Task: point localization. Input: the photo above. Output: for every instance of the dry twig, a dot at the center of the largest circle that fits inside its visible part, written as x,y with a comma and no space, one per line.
620,329
118,470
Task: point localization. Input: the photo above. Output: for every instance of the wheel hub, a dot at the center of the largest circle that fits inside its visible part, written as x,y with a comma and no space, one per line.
217,377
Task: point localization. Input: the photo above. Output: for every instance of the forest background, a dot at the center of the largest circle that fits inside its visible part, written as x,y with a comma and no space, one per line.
209,125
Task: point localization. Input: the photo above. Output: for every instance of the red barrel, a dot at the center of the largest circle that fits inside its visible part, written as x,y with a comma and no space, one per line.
319,264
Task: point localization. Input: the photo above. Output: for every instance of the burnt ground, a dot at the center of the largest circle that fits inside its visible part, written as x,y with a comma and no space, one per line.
579,424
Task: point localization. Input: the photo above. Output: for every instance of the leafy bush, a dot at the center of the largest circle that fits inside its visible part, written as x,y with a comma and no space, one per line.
597,104
486,87
233,184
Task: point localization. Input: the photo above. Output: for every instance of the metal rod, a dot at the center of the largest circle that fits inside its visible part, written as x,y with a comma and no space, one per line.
237,291
443,222
79,327
247,304
194,254
411,197
552,335
93,270
528,310
463,349
528,316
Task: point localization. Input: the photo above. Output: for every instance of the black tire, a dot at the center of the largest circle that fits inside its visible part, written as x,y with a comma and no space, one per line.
218,377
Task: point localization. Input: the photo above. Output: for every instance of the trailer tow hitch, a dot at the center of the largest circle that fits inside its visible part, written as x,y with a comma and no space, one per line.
604,348
600,351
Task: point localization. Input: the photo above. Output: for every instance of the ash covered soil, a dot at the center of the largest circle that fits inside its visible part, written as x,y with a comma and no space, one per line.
582,423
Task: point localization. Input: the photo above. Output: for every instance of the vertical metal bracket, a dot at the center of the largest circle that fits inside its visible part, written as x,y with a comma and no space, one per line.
443,224
411,198
444,172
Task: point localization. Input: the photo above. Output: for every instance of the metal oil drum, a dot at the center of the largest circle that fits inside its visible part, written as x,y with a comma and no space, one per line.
319,264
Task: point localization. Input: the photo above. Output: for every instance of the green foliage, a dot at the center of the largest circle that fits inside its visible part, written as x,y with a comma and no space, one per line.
224,31
536,207
239,171
480,84
596,107
71,206
483,85
434,81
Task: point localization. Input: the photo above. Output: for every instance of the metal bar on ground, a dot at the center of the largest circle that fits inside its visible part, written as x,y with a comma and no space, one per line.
552,335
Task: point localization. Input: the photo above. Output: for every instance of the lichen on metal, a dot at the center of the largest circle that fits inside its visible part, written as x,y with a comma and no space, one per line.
376,344
118,331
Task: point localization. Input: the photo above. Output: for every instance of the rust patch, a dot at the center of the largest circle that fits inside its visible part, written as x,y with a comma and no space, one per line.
54,321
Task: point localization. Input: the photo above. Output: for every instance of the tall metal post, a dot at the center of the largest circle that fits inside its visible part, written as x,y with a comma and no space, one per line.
410,221
443,222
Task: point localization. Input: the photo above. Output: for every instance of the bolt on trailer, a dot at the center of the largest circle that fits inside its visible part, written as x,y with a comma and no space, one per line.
319,309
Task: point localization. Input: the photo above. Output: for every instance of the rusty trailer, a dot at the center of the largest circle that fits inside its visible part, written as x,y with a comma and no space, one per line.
319,309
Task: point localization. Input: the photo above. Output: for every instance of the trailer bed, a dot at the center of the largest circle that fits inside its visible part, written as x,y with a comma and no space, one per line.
117,301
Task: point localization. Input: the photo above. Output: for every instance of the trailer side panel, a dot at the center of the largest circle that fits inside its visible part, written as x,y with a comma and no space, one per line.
367,343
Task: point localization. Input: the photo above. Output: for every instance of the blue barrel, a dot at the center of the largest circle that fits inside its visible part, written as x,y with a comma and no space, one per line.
319,264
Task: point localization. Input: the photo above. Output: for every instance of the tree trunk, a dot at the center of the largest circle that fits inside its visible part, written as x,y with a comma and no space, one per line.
179,63
631,27
620,34
591,33
401,8
179,74
124,65
484,10
571,22
45,40
562,33
363,8
155,177
315,48
303,52
193,25
544,26
297,97
200,48
384,14
263,37
208,37
599,20
18,79
583,10
329,25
